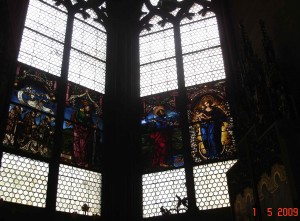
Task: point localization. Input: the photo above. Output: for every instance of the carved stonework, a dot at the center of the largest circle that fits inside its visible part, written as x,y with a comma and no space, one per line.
263,96
82,7
244,203
172,11
277,91
270,182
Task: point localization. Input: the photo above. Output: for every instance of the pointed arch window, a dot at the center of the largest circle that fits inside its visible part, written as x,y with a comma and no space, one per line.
187,137
55,115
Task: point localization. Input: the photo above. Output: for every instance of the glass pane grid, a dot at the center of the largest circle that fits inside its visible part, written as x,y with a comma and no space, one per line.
77,188
87,71
46,20
202,67
23,180
41,52
89,39
200,35
158,77
157,46
211,185
160,190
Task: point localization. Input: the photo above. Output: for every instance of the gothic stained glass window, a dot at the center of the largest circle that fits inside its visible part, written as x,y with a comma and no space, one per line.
34,108
210,124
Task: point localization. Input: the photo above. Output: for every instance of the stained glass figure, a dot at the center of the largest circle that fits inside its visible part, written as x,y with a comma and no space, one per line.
82,127
35,89
210,122
31,118
29,130
161,136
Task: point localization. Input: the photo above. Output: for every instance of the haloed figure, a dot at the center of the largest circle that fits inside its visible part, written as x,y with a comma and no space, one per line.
211,119
161,138
83,135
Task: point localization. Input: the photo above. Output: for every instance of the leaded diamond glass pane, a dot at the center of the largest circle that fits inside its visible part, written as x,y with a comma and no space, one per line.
203,66
23,180
46,20
157,57
162,190
43,37
87,71
200,35
211,185
89,39
41,52
157,46
77,187
158,77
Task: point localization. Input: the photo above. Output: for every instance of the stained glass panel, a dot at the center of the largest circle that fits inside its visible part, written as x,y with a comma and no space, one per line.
31,118
35,89
23,180
29,130
78,191
164,193
161,135
83,127
211,125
